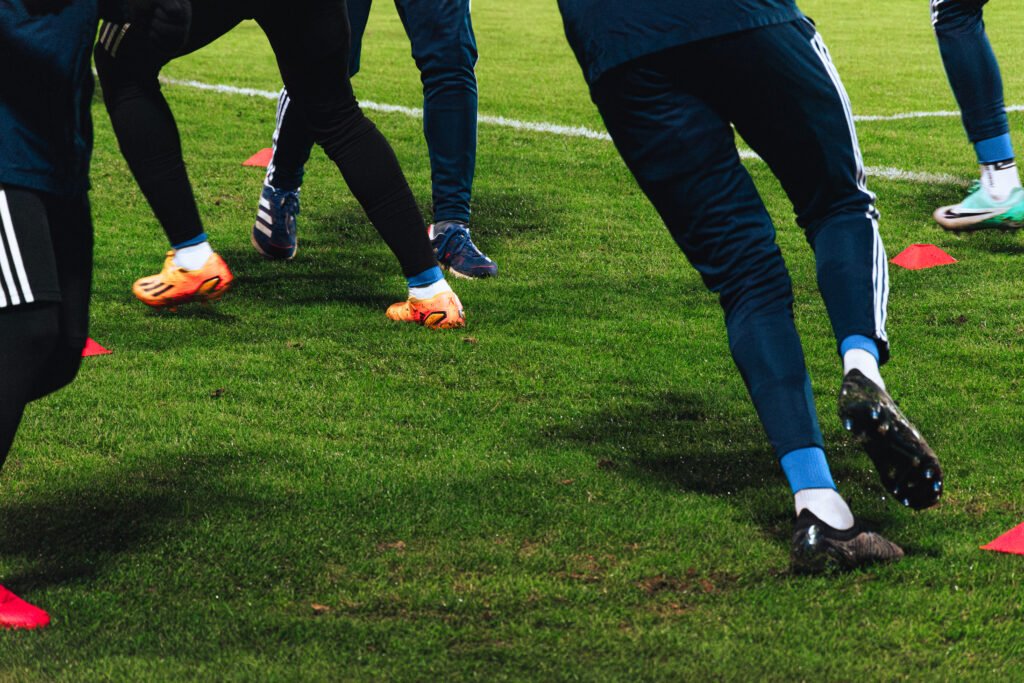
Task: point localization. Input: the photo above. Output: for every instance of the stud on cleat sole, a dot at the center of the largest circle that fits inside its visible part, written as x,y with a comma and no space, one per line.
906,464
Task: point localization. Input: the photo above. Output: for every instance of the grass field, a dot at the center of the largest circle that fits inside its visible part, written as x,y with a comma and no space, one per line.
575,487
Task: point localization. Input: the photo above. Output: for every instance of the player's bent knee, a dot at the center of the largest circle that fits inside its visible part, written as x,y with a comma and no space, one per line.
957,16
61,369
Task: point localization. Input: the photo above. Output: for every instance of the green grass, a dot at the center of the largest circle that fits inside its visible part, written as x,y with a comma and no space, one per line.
573,488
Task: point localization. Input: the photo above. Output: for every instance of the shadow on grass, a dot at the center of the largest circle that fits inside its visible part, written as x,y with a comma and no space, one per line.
674,440
209,312
73,531
1006,241
341,258
502,214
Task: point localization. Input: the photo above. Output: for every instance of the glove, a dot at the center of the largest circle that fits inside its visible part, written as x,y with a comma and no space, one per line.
166,22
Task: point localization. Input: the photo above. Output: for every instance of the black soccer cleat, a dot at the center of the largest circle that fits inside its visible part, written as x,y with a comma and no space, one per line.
906,464
819,548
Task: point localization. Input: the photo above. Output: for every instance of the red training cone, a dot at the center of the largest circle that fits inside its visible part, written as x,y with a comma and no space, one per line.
1010,542
16,613
260,158
93,349
920,256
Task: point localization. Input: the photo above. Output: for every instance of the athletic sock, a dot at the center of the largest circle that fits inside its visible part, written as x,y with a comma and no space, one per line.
999,179
813,489
861,353
827,505
429,283
192,256
999,174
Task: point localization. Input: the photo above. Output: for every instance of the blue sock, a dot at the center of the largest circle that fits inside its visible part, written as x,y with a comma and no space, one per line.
994,149
859,341
199,239
807,468
426,278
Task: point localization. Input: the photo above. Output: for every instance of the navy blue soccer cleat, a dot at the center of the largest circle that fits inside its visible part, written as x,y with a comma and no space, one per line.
456,252
274,234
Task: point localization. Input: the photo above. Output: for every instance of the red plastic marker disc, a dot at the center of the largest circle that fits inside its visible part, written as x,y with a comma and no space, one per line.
1010,542
920,256
260,158
94,349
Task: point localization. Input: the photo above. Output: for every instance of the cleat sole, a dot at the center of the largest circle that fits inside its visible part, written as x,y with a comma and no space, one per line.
269,256
907,466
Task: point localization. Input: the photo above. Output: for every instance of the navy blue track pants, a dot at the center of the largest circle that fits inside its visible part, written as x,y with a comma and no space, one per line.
971,67
444,48
671,116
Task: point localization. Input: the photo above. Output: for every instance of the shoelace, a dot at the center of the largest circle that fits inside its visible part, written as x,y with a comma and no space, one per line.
457,238
285,202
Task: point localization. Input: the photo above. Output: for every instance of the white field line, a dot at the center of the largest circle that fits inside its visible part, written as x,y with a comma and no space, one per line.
921,115
583,132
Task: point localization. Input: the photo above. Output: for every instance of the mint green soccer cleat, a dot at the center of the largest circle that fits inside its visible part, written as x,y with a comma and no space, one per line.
978,211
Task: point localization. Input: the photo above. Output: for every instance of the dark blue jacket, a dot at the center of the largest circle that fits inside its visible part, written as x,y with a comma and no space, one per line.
45,93
607,33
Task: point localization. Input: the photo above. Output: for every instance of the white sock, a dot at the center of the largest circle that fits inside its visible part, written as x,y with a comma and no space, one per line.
827,505
193,257
1000,179
865,362
430,290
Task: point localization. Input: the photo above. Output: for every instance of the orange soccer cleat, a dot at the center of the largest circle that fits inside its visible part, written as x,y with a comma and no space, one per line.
440,312
16,613
175,285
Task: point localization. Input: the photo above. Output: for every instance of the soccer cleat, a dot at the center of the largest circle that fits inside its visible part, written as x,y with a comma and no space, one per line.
175,285
16,613
456,252
440,312
906,464
978,211
817,547
274,234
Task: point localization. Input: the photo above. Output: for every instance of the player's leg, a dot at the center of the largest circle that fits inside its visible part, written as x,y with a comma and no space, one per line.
128,64
29,334
45,271
275,231
997,200
311,46
444,47
812,147
682,154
